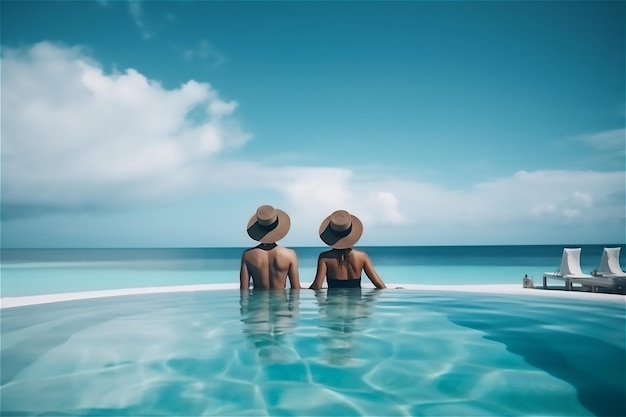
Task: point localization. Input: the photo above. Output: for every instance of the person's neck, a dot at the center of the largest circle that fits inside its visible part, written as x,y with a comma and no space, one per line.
267,246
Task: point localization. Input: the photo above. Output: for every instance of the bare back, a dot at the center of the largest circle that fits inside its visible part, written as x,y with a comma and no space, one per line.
269,266
331,264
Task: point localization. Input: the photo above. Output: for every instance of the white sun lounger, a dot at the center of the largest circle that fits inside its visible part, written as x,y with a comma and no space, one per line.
571,273
609,265
610,270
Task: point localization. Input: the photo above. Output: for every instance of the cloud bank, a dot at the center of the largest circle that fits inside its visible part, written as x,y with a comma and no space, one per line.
528,205
73,135
611,140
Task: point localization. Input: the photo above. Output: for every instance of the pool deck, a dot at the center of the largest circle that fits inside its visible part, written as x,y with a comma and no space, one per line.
512,289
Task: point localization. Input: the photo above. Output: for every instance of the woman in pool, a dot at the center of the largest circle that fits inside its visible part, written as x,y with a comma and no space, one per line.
342,265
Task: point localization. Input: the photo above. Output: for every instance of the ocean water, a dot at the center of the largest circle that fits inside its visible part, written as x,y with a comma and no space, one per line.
315,353
49,271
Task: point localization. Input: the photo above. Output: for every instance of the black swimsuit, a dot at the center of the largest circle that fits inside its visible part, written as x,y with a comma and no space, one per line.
344,283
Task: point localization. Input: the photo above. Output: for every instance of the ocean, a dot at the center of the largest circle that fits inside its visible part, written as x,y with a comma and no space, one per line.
51,271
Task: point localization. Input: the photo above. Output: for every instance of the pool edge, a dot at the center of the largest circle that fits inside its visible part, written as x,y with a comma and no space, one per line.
504,289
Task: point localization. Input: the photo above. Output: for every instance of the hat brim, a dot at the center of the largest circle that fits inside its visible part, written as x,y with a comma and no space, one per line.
264,234
341,241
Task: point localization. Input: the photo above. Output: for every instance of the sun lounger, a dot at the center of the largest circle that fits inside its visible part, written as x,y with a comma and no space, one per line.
609,265
569,271
610,270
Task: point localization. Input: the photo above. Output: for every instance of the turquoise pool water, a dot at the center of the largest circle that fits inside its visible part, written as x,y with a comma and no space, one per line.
305,353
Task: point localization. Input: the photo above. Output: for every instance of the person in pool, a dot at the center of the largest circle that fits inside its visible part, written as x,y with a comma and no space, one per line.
342,265
268,264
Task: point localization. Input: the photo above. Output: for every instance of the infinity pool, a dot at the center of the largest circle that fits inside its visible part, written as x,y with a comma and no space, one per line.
305,353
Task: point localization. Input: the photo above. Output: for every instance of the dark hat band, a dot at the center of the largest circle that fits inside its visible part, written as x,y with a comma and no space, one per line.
268,227
341,239
342,233
259,229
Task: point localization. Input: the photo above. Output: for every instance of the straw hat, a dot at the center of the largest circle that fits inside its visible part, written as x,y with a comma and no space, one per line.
268,225
341,230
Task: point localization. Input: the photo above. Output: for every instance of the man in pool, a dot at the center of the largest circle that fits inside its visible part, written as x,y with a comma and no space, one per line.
268,264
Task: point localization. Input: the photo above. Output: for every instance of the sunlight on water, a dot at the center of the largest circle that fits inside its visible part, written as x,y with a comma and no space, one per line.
363,352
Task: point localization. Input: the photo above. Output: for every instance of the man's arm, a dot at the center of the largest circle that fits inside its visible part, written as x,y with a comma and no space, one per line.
319,275
244,275
293,273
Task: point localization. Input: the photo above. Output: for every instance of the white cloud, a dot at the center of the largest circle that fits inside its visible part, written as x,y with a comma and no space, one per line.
387,204
547,195
528,204
527,207
73,135
136,13
204,50
316,192
609,140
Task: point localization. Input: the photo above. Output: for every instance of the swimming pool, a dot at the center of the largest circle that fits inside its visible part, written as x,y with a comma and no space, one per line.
344,352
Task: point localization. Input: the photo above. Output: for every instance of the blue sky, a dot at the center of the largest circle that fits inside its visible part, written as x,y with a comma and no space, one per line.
437,123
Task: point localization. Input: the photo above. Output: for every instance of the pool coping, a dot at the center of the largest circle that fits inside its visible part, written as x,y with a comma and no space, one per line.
503,289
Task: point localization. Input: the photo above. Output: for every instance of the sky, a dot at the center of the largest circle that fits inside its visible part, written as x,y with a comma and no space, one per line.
166,124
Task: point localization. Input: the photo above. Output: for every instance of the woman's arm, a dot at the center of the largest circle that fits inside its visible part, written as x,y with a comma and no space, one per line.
244,276
371,273
320,275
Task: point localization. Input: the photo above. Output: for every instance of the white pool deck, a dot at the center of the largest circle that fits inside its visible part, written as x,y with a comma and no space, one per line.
506,289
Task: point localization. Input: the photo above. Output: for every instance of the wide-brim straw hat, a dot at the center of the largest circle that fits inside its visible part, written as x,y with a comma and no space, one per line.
341,230
268,225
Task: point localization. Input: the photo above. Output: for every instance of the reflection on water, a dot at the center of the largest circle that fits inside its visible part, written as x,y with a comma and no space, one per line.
268,317
281,353
343,316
